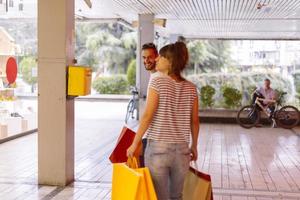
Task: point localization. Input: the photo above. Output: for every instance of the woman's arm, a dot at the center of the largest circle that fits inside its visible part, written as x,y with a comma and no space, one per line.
195,128
151,107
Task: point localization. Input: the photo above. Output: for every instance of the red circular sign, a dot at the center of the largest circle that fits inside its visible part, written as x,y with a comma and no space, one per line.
11,70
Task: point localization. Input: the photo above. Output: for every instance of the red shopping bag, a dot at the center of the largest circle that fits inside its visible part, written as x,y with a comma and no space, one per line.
124,141
197,186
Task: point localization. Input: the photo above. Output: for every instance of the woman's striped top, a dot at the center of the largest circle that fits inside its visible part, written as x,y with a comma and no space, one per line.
172,120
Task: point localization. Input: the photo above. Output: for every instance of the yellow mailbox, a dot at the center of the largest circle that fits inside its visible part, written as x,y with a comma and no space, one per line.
79,80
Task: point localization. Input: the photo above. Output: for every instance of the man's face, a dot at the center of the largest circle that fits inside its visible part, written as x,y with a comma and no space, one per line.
267,84
149,57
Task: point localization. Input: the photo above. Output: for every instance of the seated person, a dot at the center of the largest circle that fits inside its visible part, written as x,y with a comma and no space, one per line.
267,93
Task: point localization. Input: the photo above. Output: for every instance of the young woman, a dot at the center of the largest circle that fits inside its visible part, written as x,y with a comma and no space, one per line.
171,118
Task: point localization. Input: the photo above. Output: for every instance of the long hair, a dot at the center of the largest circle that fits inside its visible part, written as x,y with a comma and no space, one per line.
177,54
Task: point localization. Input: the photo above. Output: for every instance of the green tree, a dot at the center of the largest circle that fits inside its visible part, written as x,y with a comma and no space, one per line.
232,96
209,55
107,48
111,85
131,73
129,44
27,66
206,95
197,53
219,55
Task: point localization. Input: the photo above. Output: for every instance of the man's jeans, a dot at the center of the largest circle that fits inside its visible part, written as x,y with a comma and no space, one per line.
258,95
168,164
142,156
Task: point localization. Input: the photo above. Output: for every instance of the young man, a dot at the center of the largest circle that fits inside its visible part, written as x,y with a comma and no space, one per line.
267,93
149,55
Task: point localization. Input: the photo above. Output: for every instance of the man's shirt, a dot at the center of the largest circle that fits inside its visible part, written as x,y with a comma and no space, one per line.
153,75
269,94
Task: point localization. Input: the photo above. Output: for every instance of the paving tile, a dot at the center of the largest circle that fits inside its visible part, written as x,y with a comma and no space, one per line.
250,164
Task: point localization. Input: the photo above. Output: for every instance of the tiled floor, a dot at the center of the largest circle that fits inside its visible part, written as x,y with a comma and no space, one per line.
18,167
260,163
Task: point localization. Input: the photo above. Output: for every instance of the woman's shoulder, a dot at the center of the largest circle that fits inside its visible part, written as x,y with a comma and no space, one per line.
159,81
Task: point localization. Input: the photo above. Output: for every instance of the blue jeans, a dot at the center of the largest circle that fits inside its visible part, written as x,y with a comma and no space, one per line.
168,164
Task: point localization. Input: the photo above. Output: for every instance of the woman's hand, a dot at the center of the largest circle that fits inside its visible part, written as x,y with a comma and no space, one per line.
194,153
131,151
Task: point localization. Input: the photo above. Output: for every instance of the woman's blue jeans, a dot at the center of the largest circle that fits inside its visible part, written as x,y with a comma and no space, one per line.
168,164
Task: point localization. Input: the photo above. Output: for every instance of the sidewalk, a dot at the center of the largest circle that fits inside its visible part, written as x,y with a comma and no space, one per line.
258,163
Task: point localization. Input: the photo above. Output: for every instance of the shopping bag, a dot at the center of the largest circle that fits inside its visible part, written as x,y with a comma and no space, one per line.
126,182
143,190
146,189
197,186
123,143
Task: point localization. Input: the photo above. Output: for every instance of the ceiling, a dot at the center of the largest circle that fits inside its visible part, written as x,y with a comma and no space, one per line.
224,18
238,19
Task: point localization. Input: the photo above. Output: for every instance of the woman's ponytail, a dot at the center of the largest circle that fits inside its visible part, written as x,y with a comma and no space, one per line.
182,52
177,54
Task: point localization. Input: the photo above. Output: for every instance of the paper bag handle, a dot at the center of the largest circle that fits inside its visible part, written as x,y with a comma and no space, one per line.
132,162
194,165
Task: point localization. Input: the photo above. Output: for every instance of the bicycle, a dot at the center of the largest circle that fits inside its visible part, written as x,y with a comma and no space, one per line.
132,107
283,116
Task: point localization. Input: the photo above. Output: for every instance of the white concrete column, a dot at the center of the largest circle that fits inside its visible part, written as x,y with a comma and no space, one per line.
173,38
55,111
145,35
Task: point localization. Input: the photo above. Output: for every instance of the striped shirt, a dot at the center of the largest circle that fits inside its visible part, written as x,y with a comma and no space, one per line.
172,121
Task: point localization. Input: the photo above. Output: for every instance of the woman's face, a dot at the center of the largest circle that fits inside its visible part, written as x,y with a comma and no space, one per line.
163,64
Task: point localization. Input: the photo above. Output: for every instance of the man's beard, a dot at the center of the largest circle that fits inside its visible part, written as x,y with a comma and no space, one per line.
150,67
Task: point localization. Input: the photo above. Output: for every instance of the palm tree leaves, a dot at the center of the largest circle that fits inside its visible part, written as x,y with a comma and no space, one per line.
107,48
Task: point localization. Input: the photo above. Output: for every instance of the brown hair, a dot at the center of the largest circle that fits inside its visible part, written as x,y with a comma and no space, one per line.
150,45
177,54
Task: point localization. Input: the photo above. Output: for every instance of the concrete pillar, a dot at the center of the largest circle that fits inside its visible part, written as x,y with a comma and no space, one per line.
55,111
145,35
173,38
